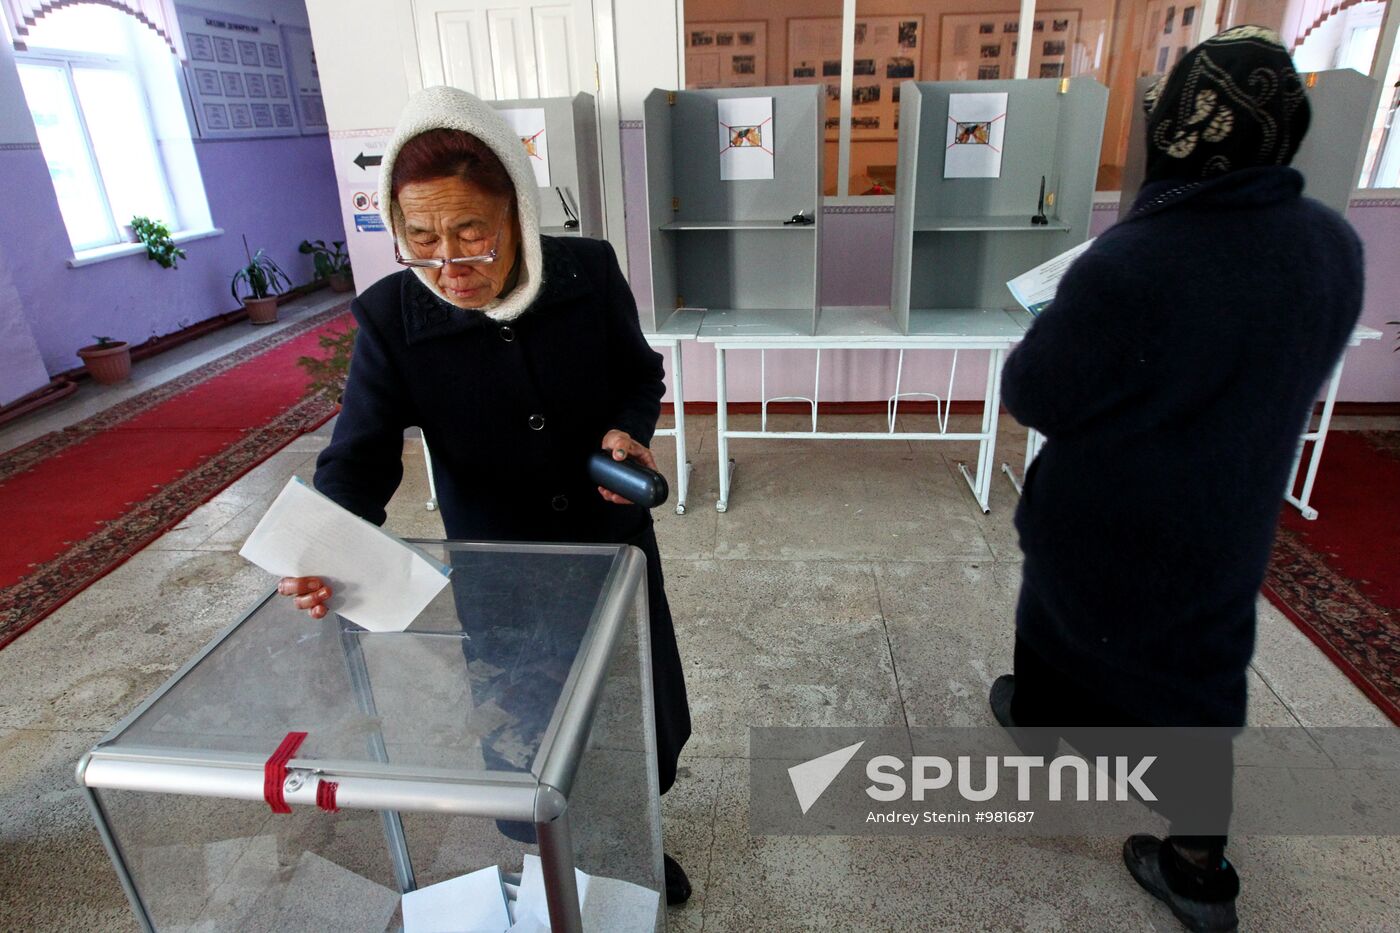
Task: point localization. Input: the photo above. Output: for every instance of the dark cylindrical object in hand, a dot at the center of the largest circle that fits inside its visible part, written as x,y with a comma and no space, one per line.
628,479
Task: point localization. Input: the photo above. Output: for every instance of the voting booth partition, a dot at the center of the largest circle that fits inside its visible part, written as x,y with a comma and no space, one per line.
491,768
568,160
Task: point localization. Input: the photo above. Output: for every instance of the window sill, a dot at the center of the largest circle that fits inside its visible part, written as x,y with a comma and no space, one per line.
90,257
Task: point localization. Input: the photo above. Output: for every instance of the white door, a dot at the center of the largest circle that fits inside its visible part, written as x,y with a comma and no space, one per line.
510,49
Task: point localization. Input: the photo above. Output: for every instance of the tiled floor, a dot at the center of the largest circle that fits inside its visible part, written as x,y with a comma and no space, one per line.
849,584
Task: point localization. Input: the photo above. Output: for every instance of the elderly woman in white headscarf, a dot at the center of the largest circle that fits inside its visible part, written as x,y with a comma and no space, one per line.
518,356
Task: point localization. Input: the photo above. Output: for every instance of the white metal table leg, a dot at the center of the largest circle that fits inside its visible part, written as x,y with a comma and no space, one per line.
431,504
726,465
986,447
1319,439
1034,441
678,403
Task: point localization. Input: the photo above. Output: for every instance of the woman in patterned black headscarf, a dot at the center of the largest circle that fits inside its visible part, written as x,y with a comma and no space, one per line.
1172,377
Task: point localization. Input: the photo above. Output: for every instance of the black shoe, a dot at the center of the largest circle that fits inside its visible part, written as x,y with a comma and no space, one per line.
1204,902
677,884
1003,689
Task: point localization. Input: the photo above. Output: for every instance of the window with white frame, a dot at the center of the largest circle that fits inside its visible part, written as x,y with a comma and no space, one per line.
105,95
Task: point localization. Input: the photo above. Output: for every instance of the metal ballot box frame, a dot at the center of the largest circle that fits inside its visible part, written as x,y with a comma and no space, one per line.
514,718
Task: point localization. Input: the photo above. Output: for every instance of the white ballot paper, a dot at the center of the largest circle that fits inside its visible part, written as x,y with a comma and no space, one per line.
377,581
746,139
529,125
1034,290
474,903
976,135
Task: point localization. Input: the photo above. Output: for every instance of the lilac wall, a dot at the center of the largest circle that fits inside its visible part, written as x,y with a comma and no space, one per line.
277,191
857,258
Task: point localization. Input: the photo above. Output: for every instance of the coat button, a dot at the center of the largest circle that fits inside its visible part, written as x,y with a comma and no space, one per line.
559,503
537,422
507,333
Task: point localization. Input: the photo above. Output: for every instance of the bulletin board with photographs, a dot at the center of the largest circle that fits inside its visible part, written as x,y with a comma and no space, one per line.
888,52
982,46
1171,28
726,54
237,73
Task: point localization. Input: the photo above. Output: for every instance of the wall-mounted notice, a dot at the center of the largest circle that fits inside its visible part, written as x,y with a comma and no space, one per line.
306,79
529,125
982,46
726,54
888,51
976,134
235,60
746,138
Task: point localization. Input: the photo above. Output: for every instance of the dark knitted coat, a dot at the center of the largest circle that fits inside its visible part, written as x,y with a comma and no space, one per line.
511,413
1172,377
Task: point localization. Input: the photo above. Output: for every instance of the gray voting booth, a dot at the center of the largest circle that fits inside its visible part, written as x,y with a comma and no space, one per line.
721,249
958,241
500,743
571,125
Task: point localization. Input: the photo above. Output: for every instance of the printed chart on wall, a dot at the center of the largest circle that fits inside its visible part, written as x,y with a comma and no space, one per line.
746,138
237,74
301,58
529,125
982,46
888,51
726,54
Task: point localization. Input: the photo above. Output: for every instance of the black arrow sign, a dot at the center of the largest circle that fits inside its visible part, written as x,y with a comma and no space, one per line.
364,161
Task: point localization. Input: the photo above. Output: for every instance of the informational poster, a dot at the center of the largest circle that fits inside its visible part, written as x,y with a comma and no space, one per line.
888,52
305,80
731,54
746,138
357,155
1171,29
529,125
983,46
237,75
976,135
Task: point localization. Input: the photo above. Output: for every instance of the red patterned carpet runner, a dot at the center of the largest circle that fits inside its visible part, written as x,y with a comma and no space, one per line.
1338,578
76,503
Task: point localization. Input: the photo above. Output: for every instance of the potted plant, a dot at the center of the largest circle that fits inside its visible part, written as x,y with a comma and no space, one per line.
160,245
265,280
332,263
108,361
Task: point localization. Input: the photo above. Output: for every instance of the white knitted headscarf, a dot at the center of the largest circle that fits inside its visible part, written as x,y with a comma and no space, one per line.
449,108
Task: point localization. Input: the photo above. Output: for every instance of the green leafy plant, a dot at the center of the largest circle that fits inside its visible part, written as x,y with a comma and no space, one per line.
160,245
261,275
104,342
328,373
329,260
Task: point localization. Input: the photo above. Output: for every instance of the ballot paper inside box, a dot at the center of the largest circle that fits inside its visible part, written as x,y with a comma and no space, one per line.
510,727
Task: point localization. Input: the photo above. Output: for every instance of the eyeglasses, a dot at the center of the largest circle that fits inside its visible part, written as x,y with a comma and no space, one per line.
481,259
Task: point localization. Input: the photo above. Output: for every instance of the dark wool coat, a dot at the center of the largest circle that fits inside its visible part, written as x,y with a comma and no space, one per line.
511,413
1172,377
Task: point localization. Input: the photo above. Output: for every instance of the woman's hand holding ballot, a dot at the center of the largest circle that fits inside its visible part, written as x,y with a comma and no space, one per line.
310,594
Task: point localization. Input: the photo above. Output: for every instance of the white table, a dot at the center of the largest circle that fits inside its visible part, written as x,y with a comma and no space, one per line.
679,328
1035,440
992,330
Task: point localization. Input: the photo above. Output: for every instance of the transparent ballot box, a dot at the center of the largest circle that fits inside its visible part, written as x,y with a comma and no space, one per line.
491,768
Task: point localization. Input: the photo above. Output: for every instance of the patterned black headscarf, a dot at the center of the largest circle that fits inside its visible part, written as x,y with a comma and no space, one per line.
1233,102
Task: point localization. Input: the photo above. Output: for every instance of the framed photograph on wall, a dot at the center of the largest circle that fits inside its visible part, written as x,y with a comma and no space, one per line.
728,54
982,46
888,50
